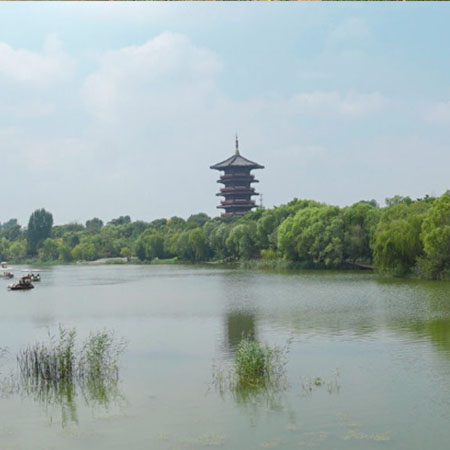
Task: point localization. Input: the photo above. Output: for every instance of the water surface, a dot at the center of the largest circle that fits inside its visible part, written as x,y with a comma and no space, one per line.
383,345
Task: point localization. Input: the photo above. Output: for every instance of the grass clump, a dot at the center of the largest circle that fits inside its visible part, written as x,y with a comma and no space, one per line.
257,366
256,369
59,363
55,361
55,372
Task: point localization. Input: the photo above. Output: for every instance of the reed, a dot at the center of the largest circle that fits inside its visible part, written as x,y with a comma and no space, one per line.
257,365
256,369
61,361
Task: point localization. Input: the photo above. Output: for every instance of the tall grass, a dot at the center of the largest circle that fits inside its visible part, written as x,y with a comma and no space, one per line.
58,367
256,369
257,366
52,362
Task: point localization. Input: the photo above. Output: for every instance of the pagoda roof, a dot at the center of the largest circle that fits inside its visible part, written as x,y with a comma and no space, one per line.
236,161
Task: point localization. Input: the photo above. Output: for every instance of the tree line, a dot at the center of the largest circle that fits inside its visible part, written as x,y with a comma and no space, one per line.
404,237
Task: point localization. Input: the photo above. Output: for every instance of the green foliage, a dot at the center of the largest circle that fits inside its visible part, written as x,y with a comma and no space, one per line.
197,220
122,220
65,253
4,248
314,235
84,251
397,244
241,241
360,222
9,224
94,225
436,239
150,245
253,364
49,250
268,254
198,244
404,237
398,200
39,228
60,360
256,369
18,250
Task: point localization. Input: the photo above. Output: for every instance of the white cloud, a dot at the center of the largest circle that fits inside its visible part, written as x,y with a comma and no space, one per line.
352,29
350,104
50,65
166,72
438,113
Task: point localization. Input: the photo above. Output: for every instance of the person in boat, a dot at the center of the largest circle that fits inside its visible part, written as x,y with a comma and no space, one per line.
23,283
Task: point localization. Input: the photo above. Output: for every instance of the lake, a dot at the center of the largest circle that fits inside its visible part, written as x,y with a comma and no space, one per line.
380,348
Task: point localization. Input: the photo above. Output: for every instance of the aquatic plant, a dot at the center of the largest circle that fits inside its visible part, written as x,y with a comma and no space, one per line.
55,372
52,371
257,369
52,362
256,365
60,360
332,384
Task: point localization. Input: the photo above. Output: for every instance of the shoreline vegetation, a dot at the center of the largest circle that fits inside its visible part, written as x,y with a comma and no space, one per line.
405,238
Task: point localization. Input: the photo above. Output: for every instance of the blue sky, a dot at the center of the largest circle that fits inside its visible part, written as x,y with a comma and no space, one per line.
120,108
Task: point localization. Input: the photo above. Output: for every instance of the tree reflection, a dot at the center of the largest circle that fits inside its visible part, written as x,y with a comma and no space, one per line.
239,324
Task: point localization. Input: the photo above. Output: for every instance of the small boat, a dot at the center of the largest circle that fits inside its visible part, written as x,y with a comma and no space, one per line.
4,264
23,283
7,274
33,275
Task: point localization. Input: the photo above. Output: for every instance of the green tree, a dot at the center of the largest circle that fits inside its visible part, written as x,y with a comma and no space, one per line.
197,220
125,252
397,243
218,233
65,253
436,238
39,228
4,248
18,250
84,251
94,225
150,245
241,241
198,244
122,220
360,221
184,248
313,236
49,250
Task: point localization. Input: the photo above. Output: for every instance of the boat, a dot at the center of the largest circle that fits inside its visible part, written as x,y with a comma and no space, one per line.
7,274
4,264
22,284
33,275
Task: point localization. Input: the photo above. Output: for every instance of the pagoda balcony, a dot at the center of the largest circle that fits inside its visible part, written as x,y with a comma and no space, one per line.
237,176
238,189
237,195
236,202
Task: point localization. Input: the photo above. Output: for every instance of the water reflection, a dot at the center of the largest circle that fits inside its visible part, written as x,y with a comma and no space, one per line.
68,397
239,324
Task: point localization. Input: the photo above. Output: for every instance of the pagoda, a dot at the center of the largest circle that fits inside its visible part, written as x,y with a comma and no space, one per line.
237,181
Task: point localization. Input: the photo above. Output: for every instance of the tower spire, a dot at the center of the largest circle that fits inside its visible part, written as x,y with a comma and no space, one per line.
237,145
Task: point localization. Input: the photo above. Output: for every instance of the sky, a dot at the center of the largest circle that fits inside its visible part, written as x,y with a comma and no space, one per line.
110,109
